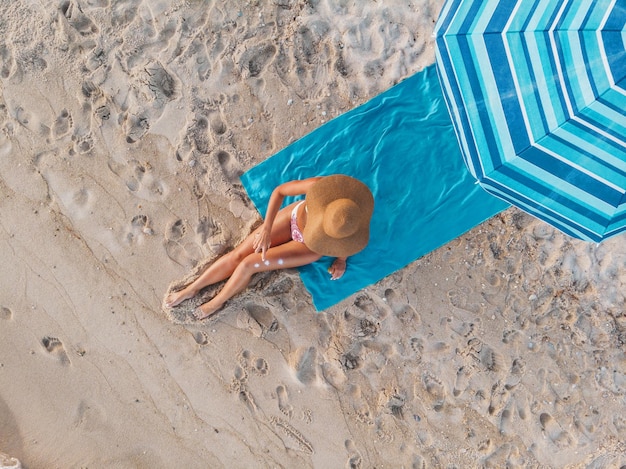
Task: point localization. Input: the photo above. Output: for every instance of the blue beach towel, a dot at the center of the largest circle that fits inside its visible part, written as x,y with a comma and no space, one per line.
402,145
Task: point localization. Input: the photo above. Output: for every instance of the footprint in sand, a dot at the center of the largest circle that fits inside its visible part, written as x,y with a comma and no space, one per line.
283,401
8,462
511,337
22,116
62,125
358,326
519,306
307,416
240,373
293,435
401,309
310,59
361,408
334,375
197,135
83,144
89,417
135,127
396,406
518,367
201,337
367,328
229,166
306,365
77,19
55,348
257,364
5,142
436,391
177,248
7,64
612,380
155,87
554,431
162,84
255,59
515,374
383,435
139,226
247,398
193,26
218,125
123,12
503,456
499,398
490,359
198,50
532,271
543,231
80,201
141,222
96,101
263,316
199,193
246,322
132,173
373,305
239,383
484,446
103,112
176,230
350,361
90,90
244,357
462,328
619,421
31,122
96,58
417,346
458,299
355,460
506,420
419,462
521,404
472,349
281,287
461,382
5,313
261,367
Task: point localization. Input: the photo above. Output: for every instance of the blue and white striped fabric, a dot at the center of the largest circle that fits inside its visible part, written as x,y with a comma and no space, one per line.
537,93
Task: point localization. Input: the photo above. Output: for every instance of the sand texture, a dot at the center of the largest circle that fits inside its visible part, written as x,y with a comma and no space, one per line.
124,128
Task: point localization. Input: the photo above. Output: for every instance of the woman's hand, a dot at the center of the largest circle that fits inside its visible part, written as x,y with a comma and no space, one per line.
337,268
262,241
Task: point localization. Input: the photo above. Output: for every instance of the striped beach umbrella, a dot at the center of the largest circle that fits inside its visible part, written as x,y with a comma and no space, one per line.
537,94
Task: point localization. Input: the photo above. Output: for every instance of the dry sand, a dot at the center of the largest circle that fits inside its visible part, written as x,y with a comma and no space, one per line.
124,128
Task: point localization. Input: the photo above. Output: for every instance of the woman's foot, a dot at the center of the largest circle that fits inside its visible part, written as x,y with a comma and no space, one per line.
205,310
177,297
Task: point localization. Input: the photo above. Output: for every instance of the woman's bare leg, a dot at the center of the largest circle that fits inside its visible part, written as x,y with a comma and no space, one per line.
224,267
285,256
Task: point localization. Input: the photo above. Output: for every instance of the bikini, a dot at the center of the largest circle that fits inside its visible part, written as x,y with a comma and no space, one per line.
296,234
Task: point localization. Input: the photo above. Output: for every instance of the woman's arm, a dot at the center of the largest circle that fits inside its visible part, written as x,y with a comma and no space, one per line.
262,242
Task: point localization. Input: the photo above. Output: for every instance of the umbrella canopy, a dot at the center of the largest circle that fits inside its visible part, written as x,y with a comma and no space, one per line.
537,96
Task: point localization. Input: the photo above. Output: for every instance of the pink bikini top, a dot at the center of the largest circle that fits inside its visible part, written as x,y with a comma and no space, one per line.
296,234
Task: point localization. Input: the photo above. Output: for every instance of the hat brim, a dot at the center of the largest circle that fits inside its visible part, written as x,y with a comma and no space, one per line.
322,193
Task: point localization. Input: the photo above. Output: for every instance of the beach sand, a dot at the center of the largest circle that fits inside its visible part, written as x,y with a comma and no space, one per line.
125,126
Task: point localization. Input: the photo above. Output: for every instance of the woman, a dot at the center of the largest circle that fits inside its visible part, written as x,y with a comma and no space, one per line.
333,220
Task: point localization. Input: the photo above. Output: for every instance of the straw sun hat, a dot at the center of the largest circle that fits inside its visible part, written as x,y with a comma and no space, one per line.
339,209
